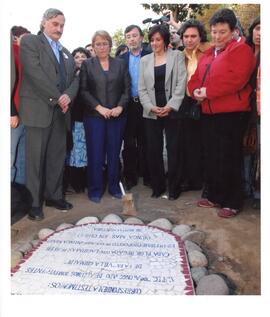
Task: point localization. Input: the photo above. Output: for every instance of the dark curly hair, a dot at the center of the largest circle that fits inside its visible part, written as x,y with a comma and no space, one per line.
192,23
81,50
224,16
163,30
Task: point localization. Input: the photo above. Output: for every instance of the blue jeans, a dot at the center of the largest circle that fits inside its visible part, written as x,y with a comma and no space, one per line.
17,156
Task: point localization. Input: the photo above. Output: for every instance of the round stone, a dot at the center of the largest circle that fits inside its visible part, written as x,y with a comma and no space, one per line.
197,273
64,226
44,233
191,246
87,220
197,258
196,236
180,230
133,221
162,223
16,256
26,247
34,243
212,284
112,218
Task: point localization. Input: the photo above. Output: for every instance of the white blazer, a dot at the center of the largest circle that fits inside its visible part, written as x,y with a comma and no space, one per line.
175,80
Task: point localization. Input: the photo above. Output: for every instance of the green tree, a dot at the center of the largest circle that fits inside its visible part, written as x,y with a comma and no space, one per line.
246,13
118,38
181,12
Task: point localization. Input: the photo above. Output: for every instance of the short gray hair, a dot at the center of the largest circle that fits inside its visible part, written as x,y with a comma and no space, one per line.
49,14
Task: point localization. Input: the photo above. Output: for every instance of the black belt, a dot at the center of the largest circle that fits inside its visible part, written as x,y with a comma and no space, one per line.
135,99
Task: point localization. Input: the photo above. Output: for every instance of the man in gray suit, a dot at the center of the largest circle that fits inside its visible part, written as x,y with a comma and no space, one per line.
48,86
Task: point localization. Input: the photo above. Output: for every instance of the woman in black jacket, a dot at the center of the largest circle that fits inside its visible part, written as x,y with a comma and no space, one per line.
105,90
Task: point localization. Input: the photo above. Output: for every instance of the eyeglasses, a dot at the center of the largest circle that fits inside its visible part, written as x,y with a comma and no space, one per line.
104,44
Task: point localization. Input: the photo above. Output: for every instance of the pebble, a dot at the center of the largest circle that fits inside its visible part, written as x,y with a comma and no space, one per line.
197,258
45,232
16,256
191,246
180,230
133,221
196,236
87,220
162,223
24,248
212,285
64,226
34,242
197,273
113,218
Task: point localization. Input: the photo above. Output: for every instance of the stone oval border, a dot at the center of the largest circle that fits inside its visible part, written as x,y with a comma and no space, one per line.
206,284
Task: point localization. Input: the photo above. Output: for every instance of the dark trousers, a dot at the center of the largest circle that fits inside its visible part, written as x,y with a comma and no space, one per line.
103,141
190,151
134,151
222,144
45,151
154,136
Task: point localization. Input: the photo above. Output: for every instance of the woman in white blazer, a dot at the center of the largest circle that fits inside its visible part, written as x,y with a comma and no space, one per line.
162,83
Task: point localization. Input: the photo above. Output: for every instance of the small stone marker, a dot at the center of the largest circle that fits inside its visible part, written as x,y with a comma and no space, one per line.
105,258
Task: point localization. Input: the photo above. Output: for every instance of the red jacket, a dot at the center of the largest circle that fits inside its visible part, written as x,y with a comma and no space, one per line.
16,49
226,82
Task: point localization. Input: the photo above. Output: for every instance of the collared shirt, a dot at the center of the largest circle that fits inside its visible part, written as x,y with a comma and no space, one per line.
56,47
134,68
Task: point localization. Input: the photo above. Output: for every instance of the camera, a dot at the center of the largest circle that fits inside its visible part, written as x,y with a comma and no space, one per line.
161,20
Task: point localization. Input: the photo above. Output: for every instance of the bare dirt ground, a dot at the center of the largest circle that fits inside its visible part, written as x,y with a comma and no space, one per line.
232,245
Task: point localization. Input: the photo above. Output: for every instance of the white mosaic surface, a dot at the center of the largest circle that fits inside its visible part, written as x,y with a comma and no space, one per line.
105,259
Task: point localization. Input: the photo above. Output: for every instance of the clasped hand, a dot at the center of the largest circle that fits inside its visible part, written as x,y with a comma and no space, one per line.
64,102
200,94
162,111
108,113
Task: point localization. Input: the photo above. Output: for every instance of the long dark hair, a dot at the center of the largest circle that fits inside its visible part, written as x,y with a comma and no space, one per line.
249,39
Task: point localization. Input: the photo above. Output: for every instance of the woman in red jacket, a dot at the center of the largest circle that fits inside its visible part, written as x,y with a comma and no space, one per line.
226,69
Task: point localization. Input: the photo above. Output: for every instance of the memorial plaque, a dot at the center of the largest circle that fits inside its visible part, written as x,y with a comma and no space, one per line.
106,259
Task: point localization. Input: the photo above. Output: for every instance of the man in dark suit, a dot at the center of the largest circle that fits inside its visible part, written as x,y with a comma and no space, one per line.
134,140
48,86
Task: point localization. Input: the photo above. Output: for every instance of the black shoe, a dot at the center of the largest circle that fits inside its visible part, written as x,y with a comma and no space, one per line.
36,214
60,204
157,193
173,196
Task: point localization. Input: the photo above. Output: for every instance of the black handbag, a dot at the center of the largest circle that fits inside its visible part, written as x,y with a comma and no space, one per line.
191,108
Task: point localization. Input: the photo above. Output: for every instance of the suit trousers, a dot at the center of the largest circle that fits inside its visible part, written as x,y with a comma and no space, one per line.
222,145
45,151
103,141
154,134
134,151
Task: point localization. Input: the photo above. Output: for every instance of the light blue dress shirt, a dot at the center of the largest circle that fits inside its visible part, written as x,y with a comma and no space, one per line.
134,68
56,47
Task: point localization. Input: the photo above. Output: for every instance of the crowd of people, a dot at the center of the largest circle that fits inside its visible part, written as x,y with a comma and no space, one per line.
88,120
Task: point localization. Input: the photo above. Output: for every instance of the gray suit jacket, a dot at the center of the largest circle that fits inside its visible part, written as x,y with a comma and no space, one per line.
109,90
39,89
175,82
